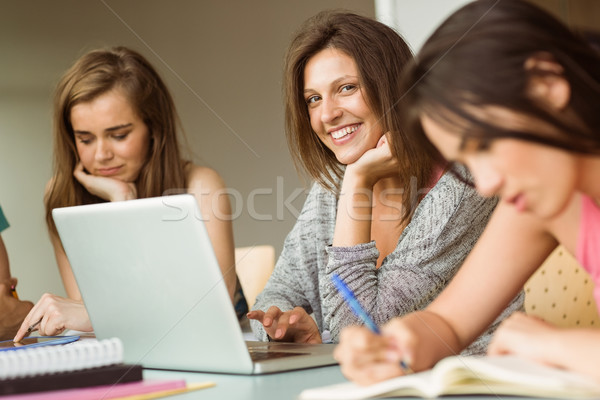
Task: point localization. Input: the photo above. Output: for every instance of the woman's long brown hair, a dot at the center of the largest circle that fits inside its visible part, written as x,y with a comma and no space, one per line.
380,55
92,75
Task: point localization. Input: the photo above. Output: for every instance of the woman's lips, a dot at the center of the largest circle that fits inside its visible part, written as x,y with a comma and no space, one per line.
519,201
108,171
346,130
342,135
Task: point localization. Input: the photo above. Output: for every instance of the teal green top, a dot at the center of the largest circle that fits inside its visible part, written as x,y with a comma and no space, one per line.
3,221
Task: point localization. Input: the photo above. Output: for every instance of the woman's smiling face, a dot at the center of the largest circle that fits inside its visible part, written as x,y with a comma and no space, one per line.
338,111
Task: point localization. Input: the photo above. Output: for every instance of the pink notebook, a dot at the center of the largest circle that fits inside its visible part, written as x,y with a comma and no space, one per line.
102,392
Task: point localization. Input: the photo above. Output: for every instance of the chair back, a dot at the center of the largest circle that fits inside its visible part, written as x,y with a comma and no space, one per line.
254,265
561,292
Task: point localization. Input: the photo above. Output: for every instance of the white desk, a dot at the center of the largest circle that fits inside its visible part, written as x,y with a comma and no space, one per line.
279,386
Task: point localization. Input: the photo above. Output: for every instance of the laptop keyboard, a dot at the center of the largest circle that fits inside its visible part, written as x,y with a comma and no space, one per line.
271,355
274,346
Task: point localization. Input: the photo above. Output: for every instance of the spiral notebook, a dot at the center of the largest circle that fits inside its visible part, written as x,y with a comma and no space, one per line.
83,363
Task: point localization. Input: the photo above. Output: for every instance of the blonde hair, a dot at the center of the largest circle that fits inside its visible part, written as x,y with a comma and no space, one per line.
92,75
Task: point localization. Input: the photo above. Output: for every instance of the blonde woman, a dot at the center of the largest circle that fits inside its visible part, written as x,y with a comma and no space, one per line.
115,139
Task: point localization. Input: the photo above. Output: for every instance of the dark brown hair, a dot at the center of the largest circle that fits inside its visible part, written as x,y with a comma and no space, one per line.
477,57
92,75
380,55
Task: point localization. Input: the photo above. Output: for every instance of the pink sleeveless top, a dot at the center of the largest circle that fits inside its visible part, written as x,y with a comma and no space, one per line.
588,242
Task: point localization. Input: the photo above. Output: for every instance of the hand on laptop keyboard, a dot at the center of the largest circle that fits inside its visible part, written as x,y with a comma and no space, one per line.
288,326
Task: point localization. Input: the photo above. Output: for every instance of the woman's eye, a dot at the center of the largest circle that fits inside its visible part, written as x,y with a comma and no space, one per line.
120,136
483,145
471,144
84,139
347,88
312,99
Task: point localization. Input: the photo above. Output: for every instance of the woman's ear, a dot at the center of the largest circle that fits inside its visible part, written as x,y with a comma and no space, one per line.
547,83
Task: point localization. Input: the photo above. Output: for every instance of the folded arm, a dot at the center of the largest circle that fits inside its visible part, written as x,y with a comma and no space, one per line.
442,232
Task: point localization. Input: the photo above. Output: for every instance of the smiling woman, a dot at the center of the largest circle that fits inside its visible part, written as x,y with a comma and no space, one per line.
332,84
395,228
115,138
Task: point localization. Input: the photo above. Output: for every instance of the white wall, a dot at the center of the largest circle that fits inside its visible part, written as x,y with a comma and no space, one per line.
415,20
24,169
222,61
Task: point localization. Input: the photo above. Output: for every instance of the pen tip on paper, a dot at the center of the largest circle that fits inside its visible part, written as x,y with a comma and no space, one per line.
406,367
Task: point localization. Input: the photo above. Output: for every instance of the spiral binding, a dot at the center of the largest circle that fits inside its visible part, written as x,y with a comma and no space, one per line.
79,355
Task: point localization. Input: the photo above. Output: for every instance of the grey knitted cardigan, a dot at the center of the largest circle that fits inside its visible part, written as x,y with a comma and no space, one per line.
444,228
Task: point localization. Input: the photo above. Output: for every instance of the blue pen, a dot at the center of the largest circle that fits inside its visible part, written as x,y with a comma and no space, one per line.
360,312
353,303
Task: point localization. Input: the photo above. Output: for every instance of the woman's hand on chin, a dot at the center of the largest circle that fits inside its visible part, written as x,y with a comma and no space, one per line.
375,164
110,189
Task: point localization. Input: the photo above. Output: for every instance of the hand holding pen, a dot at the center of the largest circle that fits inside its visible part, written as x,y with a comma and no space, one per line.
359,311
52,315
33,326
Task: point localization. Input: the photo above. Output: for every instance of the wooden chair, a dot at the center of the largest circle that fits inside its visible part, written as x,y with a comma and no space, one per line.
254,265
561,292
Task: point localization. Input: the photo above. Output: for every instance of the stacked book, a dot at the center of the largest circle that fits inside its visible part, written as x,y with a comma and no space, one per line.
85,369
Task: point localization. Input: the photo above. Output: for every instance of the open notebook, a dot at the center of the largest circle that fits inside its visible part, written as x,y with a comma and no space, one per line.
493,376
148,275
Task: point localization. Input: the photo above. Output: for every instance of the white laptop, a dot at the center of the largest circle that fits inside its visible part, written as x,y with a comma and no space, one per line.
148,275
